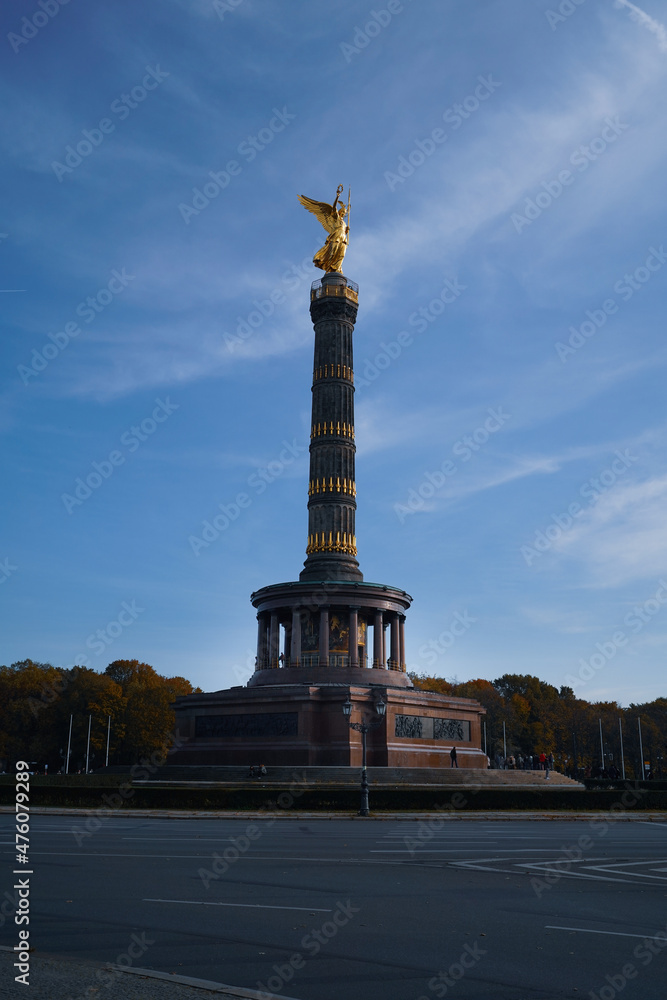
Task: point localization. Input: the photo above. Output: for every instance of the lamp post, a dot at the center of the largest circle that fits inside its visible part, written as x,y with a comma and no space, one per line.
364,728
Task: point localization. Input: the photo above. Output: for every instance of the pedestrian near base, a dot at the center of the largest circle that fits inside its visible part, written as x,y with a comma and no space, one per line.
452,754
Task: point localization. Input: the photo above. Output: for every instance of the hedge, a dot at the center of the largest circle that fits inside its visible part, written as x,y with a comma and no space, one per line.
339,799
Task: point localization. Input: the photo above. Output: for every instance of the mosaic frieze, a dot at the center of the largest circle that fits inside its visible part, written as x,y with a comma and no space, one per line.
247,725
423,727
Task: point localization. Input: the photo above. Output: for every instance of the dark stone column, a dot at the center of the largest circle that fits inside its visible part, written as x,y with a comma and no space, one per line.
324,637
395,661
274,640
378,641
295,648
353,648
332,544
261,642
401,620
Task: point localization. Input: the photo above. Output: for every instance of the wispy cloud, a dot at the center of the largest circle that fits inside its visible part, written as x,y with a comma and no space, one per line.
641,17
623,537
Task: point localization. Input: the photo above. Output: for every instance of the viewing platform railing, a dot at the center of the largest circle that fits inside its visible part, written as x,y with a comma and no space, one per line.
349,290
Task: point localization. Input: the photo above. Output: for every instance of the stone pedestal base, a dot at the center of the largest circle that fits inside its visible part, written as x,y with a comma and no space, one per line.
303,724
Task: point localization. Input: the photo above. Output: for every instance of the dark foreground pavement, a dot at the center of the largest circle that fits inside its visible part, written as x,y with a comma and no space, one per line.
69,979
347,909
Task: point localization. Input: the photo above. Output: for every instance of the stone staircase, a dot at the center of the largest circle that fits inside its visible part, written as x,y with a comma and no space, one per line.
413,777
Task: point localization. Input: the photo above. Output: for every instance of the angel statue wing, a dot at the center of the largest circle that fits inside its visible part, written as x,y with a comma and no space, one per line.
324,213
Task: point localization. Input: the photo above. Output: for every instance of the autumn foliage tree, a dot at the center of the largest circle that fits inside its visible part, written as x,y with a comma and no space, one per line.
539,716
38,700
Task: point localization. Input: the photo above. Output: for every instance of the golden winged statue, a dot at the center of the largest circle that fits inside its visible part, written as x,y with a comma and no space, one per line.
330,257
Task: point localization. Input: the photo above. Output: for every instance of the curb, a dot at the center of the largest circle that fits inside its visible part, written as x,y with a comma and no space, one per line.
198,984
204,984
569,815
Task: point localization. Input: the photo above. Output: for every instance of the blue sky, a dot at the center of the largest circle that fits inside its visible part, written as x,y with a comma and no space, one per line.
507,164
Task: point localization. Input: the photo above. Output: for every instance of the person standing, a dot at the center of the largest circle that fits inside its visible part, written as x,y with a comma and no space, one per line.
452,754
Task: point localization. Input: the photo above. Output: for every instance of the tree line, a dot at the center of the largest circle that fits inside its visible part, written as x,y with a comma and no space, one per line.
129,702
539,717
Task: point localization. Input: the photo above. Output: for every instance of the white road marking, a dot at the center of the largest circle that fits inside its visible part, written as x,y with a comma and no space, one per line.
201,856
620,865
586,930
570,874
457,850
250,906
473,840
630,864
469,866
173,840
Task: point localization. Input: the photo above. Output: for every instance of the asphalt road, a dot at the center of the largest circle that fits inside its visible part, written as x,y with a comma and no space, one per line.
359,910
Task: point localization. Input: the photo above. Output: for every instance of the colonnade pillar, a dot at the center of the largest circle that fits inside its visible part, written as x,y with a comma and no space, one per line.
352,644
324,637
395,659
378,641
260,661
387,652
274,640
295,644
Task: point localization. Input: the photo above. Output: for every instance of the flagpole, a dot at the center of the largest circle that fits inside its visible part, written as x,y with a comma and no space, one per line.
88,743
69,744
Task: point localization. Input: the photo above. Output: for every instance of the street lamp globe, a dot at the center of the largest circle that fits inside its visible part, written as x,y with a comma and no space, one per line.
347,708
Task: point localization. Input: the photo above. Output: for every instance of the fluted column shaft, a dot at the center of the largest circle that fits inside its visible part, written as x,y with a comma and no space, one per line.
331,549
395,643
378,629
